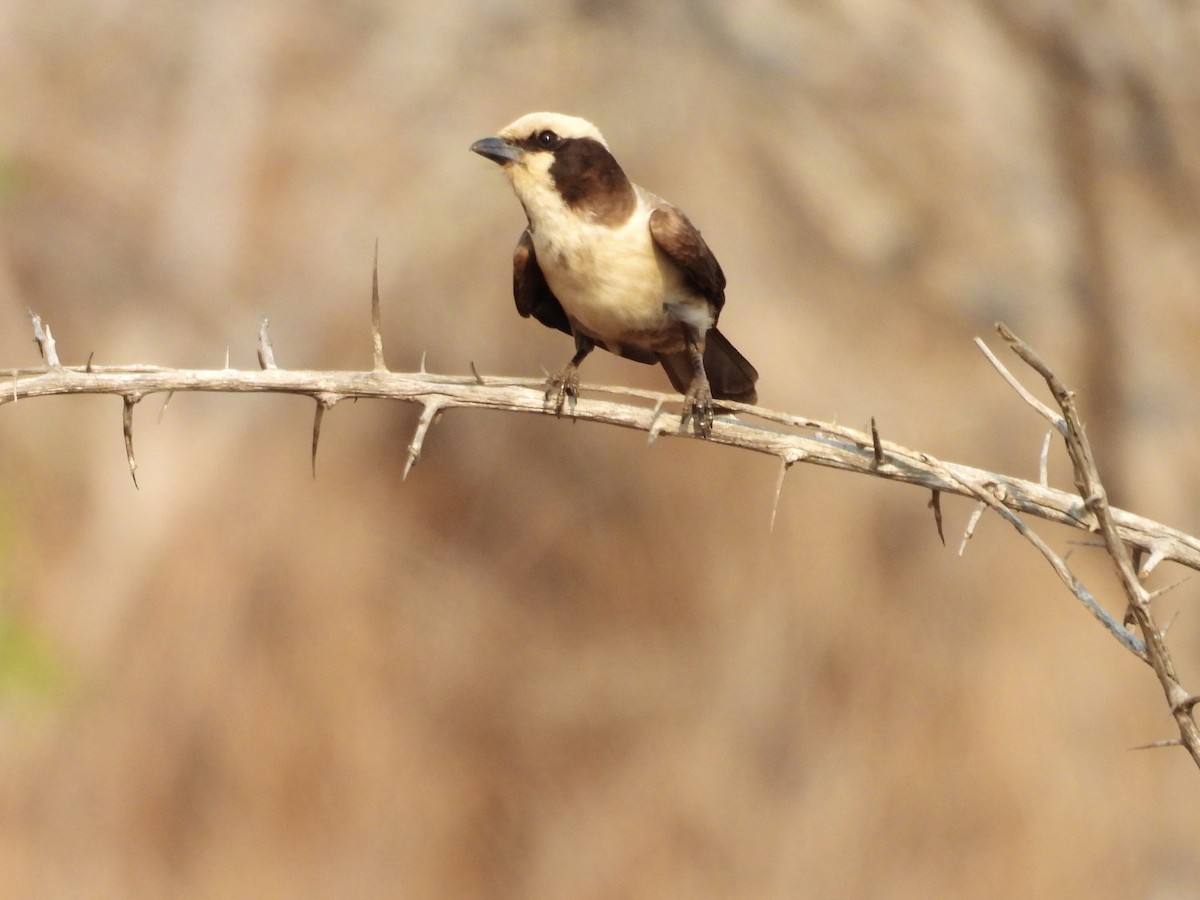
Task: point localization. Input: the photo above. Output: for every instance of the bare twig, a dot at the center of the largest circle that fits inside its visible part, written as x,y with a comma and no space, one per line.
1095,497
45,341
1044,460
1042,409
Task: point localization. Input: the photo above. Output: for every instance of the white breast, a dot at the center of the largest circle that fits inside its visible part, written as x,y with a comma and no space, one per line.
611,279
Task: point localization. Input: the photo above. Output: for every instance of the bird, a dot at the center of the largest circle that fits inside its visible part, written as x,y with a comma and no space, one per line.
614,266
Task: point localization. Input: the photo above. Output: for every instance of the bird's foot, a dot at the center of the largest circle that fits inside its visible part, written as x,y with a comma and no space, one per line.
562,389
698,408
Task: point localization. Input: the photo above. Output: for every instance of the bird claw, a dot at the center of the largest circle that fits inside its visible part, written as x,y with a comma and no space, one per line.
564,388
698,408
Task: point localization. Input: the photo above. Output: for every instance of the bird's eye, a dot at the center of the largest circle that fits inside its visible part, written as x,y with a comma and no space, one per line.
546,138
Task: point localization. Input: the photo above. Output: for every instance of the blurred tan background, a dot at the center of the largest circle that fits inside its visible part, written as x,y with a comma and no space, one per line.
556,663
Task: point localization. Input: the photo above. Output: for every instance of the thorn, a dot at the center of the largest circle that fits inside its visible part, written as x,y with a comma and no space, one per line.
1171,621
266,354
1168,588
316,438
88,367
426,419
1157,555
227,358
786,464
1173,742
875,442
969,532
127,428
376,316
475,372
655,430
1044,461
162,412
324,402
935,503
422,369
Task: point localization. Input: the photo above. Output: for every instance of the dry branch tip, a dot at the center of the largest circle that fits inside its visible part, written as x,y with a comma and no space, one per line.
266,353
1038,406
45,341
969,531
428,415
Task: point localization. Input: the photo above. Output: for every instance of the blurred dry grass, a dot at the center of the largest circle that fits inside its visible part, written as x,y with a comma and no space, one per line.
553,663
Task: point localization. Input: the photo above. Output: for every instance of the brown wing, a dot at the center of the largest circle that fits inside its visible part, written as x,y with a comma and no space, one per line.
680,240
533,295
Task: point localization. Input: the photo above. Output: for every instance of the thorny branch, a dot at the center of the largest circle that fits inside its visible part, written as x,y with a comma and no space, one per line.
791,439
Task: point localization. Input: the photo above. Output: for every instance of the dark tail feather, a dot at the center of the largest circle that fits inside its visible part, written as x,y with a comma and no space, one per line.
730,375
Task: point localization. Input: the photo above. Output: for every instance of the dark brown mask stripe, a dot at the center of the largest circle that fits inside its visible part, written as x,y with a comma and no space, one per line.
591,181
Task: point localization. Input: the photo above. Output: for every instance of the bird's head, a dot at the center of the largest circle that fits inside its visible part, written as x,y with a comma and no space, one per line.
552,160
